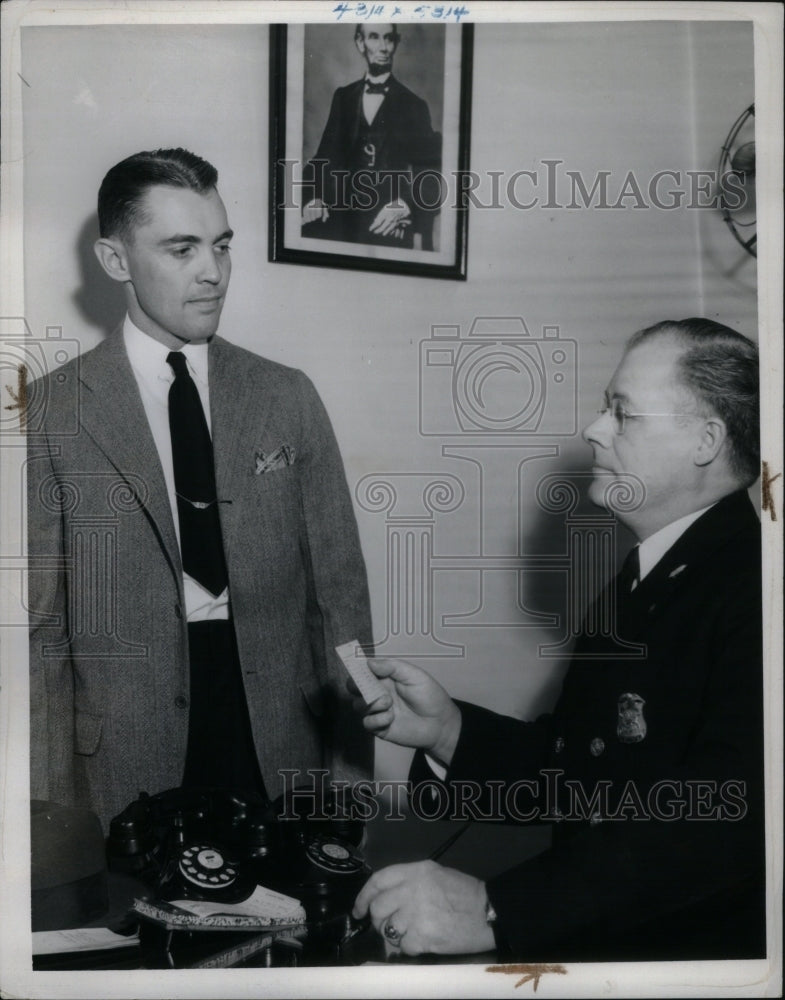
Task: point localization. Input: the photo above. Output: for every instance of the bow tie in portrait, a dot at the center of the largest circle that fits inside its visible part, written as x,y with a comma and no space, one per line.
375,88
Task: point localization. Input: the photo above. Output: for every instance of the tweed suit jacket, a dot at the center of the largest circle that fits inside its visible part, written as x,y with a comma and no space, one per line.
108,638
671,866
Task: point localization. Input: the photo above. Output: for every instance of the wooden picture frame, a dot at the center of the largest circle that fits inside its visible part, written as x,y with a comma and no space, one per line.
381,195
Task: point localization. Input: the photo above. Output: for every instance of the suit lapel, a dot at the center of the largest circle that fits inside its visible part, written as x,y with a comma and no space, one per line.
356,116
113,415
392,100
238,412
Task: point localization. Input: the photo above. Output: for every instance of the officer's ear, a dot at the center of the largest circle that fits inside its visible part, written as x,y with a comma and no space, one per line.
112,257
711,440
359,41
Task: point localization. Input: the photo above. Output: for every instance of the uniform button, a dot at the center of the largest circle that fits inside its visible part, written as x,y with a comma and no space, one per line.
597,746
181,701
178,611
558,746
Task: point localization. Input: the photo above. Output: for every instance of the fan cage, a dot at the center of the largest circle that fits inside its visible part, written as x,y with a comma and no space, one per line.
724,168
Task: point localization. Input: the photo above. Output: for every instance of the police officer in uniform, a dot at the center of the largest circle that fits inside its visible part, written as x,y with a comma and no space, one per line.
650,767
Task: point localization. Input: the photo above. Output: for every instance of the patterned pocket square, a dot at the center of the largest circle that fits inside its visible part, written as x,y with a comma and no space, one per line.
277,459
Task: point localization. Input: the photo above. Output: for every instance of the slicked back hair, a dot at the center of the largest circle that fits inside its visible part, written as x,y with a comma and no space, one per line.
122,190
720,368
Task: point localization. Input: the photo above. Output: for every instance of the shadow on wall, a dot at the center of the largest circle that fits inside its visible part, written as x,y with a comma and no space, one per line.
565,522
99,300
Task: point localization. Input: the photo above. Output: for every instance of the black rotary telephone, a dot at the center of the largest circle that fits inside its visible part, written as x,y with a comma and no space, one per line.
215,844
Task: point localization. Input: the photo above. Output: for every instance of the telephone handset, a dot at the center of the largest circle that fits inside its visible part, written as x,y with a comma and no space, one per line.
213,844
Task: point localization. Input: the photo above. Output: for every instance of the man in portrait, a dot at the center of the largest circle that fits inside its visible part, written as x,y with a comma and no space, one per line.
194,557
374,178
649,769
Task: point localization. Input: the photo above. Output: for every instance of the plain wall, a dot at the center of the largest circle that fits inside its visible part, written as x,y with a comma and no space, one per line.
639,97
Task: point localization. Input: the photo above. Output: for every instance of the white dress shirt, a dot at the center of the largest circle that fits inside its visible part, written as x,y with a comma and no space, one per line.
372,102
154,376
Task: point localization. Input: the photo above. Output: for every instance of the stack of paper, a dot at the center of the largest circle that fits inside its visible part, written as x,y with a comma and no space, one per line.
80,939
263,908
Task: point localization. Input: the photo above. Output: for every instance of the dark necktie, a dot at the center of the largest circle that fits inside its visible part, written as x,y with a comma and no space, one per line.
375,88
630,572
194,481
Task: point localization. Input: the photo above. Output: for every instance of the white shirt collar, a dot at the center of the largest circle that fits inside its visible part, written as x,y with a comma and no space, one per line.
148,356
655,546
378,79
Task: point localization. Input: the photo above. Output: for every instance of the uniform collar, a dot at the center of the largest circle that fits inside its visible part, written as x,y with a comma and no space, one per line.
652,549
723,524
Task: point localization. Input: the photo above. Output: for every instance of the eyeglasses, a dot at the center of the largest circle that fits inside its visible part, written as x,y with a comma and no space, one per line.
619,415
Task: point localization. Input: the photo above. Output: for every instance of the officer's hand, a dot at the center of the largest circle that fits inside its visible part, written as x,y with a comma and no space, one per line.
316,211
415,712
391,220
423,907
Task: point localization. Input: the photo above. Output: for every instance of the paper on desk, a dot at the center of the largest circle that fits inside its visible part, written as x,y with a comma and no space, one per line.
263,902
80,939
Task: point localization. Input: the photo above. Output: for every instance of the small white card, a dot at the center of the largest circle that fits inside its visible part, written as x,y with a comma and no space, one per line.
368,684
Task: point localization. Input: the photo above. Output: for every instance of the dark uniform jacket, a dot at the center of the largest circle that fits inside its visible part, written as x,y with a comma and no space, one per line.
666,862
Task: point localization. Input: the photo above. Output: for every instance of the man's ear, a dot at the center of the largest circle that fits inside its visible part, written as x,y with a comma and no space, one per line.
712,438
360,43
112,258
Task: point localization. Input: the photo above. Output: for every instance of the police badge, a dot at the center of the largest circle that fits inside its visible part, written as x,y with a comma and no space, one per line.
631,726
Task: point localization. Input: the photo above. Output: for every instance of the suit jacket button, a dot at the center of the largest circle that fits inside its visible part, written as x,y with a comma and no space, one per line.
597,746
181,701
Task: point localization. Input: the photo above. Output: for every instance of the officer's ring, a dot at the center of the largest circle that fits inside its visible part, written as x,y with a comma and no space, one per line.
392,934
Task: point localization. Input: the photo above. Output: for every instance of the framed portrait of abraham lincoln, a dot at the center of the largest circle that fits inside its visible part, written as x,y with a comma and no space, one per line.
369,145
